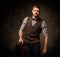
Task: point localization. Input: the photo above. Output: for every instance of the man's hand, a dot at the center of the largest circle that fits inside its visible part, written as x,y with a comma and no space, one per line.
44,51
20,41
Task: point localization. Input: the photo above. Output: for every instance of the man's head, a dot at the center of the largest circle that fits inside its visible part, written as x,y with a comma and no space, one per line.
36,10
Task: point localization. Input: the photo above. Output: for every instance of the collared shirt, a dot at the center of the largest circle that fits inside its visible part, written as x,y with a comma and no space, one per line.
43,26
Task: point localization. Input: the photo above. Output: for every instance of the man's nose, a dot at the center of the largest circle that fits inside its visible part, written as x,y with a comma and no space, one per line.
36,12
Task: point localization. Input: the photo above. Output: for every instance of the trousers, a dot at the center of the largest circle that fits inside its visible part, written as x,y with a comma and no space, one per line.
31,49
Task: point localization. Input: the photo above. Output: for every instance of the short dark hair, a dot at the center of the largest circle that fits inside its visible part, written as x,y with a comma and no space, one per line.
36,5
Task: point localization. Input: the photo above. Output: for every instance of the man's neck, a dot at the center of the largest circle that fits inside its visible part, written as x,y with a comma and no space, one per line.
34,17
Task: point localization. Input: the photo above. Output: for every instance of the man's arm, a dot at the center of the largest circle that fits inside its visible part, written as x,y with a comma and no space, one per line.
21,30
45,46
20,36
44,31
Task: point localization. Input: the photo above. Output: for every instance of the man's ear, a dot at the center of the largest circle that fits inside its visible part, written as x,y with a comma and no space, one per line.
32,11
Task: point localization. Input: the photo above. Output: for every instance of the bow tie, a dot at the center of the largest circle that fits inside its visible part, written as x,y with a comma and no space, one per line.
34,19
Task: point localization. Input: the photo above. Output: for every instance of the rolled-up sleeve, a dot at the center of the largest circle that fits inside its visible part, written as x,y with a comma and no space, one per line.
23,23
44,29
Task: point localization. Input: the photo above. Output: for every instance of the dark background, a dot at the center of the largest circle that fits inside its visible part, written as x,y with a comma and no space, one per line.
12,14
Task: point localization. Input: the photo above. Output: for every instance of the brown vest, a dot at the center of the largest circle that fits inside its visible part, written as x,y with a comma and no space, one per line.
31,34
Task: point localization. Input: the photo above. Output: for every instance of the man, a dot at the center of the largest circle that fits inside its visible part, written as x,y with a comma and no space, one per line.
29,34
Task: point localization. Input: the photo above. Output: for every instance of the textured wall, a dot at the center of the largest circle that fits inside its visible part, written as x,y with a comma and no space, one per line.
12,16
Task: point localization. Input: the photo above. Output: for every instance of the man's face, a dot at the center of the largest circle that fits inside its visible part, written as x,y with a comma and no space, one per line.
35,12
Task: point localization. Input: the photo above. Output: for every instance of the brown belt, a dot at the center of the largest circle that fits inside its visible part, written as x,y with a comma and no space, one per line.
28,38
